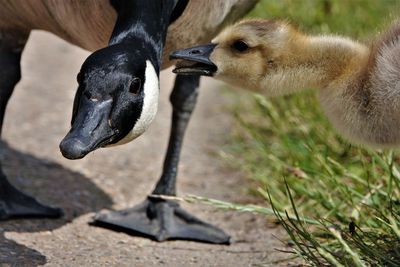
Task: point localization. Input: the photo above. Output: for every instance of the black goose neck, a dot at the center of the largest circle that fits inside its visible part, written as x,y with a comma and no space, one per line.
143,23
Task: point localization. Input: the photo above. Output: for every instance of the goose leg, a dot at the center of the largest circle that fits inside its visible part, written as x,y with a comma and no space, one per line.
162,219
14,203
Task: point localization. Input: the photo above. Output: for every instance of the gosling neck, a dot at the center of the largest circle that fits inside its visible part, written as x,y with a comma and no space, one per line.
332,60
316,62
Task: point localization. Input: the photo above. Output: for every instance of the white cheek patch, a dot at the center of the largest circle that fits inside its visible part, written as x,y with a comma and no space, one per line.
151,89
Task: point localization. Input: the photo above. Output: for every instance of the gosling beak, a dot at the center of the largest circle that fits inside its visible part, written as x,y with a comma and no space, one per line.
196,61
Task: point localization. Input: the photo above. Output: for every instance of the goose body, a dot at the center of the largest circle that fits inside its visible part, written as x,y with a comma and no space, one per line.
118,89
359,85
90,23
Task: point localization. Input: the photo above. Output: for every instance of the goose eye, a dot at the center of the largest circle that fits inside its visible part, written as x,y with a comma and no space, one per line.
136,84
240,46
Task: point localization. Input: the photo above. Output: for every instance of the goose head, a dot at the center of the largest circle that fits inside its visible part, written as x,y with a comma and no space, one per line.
118,91
243,54
115,102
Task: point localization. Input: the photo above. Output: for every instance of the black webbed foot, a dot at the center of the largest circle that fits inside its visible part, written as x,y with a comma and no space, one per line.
15,204
161,220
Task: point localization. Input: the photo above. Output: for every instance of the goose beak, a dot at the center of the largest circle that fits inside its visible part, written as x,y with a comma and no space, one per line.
196,60
90,129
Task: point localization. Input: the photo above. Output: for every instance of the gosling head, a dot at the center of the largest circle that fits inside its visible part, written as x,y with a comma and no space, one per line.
242,54
116,100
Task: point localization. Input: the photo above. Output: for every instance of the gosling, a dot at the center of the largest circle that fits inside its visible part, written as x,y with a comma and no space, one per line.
359,85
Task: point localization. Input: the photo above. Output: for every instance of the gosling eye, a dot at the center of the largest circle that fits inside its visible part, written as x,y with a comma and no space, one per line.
240,46
135,86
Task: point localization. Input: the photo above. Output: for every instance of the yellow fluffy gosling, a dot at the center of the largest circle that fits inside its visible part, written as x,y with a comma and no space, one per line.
359,85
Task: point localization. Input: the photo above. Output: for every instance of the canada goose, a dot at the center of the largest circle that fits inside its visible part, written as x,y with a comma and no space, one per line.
118,90
359,85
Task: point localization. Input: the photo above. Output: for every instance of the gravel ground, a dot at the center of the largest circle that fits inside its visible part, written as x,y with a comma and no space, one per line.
37,119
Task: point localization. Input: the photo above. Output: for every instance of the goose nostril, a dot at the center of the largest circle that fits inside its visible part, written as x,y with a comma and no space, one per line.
195,52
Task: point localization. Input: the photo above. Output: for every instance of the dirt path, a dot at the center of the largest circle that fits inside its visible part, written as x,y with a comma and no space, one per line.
37,119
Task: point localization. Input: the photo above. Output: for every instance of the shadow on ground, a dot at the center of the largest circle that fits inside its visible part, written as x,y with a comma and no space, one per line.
53,185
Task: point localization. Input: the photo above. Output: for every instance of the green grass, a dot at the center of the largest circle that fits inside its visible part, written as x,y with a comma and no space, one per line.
349,195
